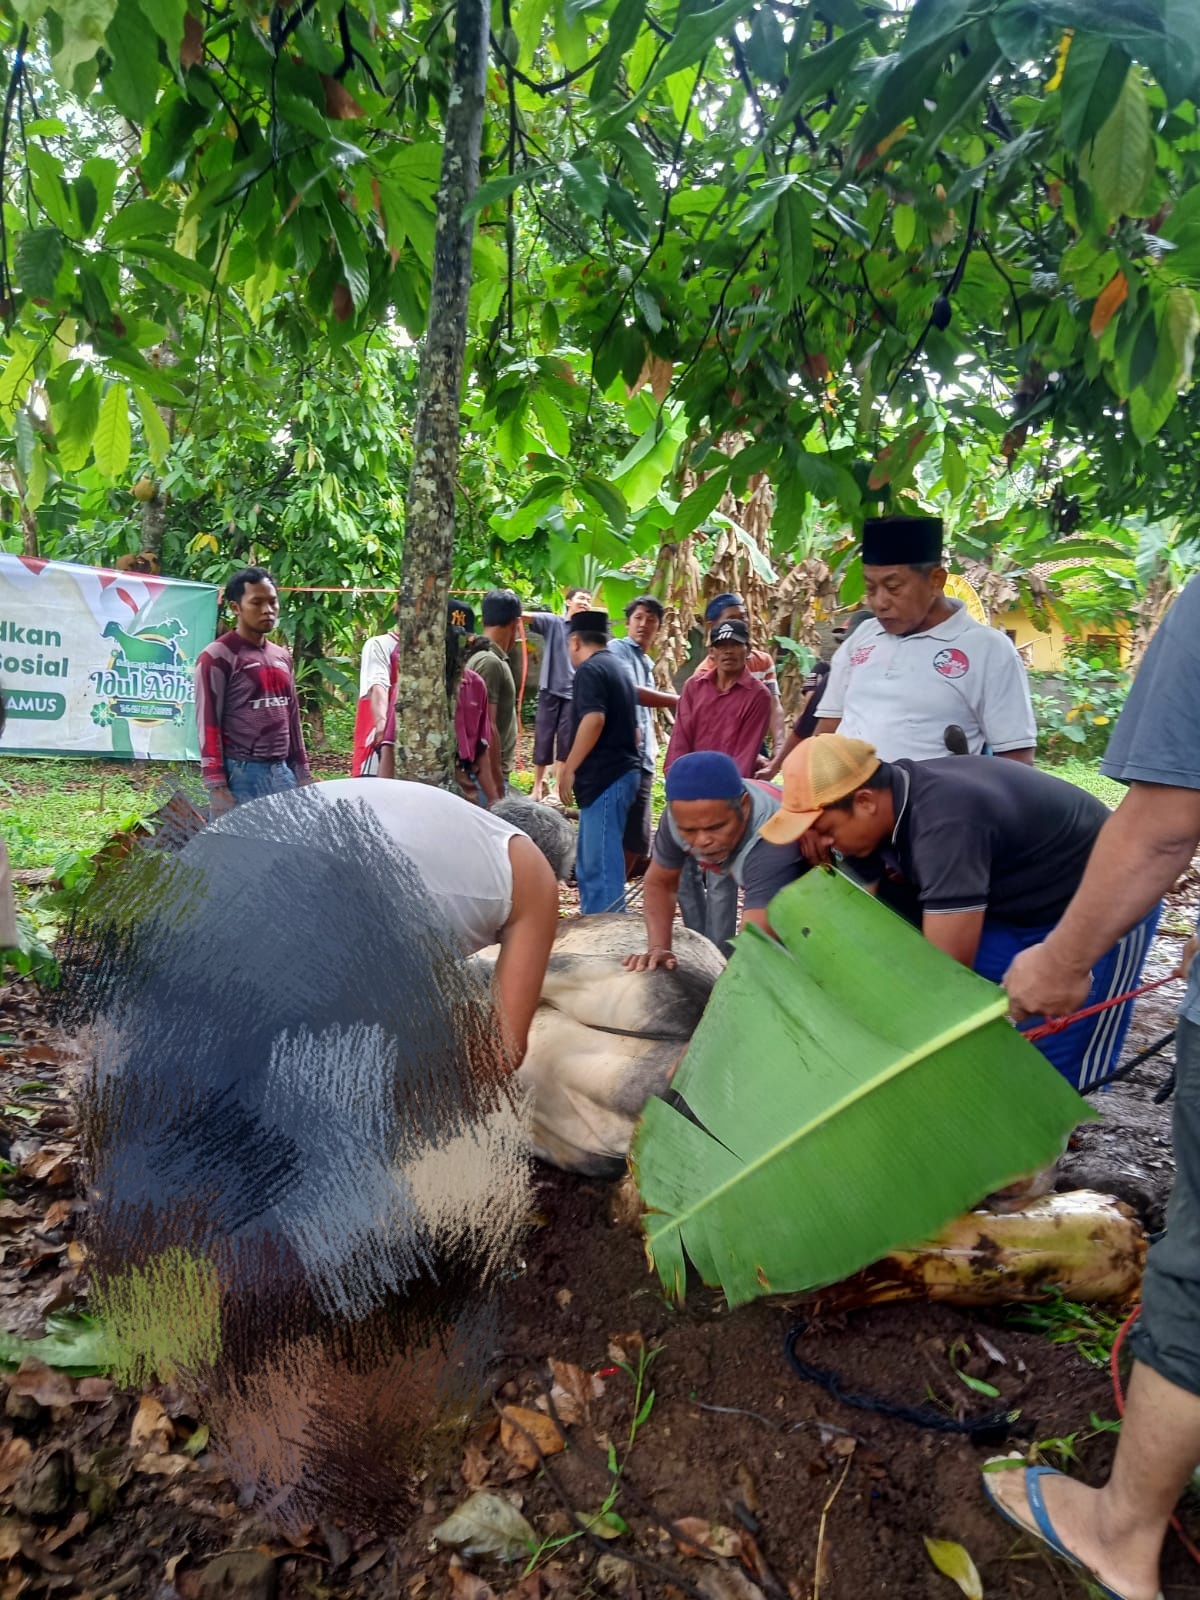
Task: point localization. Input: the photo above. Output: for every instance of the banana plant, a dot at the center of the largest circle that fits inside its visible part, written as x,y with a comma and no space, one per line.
852,1089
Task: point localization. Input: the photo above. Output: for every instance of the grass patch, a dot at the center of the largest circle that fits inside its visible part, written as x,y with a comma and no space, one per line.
1087,775
51,806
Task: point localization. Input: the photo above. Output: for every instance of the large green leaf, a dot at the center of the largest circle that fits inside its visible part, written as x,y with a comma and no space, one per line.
1121,161
113,438
854,1089
1092,79
622,31
132,80
793,237
698,506
39,255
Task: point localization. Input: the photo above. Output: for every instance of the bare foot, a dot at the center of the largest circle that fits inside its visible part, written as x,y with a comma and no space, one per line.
536,793
1079,1517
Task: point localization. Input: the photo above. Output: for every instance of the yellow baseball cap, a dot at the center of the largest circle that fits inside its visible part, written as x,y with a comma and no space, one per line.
817,772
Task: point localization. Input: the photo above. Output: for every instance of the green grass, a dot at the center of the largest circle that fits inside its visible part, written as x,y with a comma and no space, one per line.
49,806
1087,775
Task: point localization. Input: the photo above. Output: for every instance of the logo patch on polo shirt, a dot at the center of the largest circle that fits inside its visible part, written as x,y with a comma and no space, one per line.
950,663
863,653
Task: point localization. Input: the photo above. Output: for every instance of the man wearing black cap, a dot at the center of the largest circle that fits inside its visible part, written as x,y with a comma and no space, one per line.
604,766
923,664
725,710
501,614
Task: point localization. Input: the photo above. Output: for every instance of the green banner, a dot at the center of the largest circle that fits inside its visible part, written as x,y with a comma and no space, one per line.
97,662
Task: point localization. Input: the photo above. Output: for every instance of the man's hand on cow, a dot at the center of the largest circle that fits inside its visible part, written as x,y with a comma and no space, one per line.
647,960
1041,984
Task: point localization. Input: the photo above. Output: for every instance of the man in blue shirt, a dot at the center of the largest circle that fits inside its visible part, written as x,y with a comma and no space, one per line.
554,722
643,618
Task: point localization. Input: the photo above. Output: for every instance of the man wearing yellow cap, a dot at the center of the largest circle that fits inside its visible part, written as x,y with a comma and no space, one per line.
992,850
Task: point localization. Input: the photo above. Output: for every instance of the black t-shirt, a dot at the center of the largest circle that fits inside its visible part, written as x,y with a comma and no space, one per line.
979,833
603,684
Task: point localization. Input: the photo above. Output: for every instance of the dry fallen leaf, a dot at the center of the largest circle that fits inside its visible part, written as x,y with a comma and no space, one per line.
51,1164
475,1466
43,1384
487,1525
572,1391
727,1583
521,1428
625,1348
953,1560
164,1466
12,1531
94,1389
563,1298
696,1536
73,1528
152,1431
57,1213
14,1454
12,1216
466,1585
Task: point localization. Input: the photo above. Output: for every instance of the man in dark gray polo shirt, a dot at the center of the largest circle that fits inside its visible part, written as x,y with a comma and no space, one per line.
713,818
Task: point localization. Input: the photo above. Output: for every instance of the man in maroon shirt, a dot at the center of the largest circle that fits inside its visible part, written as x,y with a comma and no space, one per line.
728,710
247,713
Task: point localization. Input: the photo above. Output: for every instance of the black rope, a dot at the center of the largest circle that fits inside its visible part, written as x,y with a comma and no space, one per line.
991,1429
1133,1063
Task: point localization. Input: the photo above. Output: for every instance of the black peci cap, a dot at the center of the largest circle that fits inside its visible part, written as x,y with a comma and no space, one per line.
901,541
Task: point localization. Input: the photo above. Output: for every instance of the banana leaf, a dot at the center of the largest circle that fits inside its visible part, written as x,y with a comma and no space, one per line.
853,1090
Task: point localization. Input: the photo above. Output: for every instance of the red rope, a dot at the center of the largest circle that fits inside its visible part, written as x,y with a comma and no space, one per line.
1119,1398
1059,1024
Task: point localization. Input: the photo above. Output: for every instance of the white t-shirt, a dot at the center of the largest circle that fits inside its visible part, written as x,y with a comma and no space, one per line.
376,669
460,850
900,692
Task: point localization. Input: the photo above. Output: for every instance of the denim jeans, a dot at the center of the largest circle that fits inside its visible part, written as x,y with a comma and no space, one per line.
250,780
708,904
600,858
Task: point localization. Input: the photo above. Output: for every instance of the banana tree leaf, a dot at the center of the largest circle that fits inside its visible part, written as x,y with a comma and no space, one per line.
854,1089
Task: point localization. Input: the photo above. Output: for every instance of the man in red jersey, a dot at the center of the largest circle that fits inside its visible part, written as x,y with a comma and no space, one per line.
247,713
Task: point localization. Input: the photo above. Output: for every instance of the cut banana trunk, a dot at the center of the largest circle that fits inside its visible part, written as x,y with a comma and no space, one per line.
1090,1246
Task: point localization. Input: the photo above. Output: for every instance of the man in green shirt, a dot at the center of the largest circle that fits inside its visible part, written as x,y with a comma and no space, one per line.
501,612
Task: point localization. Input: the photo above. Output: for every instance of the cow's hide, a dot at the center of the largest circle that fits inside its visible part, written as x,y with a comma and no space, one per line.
604,1039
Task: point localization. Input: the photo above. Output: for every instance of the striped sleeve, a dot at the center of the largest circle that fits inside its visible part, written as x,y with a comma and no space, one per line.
211,677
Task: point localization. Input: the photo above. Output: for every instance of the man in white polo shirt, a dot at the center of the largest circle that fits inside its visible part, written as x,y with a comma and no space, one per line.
923,666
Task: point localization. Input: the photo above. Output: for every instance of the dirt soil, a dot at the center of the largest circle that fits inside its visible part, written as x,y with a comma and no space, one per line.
792,1493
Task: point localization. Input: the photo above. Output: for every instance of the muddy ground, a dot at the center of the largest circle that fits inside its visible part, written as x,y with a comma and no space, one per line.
114,1493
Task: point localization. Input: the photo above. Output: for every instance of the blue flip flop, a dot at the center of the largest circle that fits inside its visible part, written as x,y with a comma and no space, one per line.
1045,1528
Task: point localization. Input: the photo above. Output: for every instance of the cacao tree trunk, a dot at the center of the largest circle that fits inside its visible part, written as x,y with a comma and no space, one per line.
154,510
424,723
29,529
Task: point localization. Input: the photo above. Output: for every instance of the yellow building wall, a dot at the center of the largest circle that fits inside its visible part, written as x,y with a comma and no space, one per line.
1045,636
